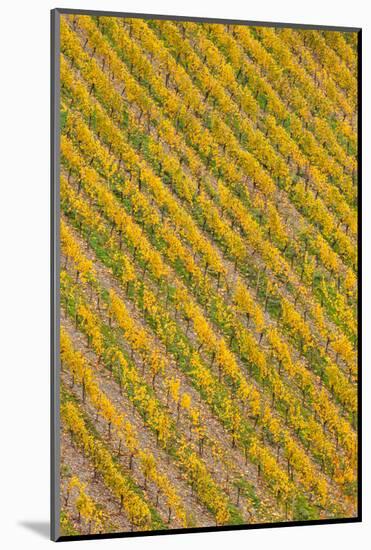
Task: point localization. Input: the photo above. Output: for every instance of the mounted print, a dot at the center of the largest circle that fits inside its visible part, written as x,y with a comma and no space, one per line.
205,337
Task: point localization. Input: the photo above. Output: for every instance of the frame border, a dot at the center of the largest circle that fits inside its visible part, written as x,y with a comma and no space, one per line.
54,282
55,270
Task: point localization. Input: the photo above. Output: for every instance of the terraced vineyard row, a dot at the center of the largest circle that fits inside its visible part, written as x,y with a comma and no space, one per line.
208,276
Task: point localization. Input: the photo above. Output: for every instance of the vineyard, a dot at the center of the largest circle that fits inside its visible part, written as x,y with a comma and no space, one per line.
208,274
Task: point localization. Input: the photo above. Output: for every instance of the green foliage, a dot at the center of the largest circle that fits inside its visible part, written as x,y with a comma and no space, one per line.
303,511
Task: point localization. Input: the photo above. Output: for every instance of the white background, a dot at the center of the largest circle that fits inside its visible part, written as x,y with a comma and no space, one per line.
24,285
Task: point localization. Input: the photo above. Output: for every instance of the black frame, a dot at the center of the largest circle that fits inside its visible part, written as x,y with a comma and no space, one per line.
55,270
